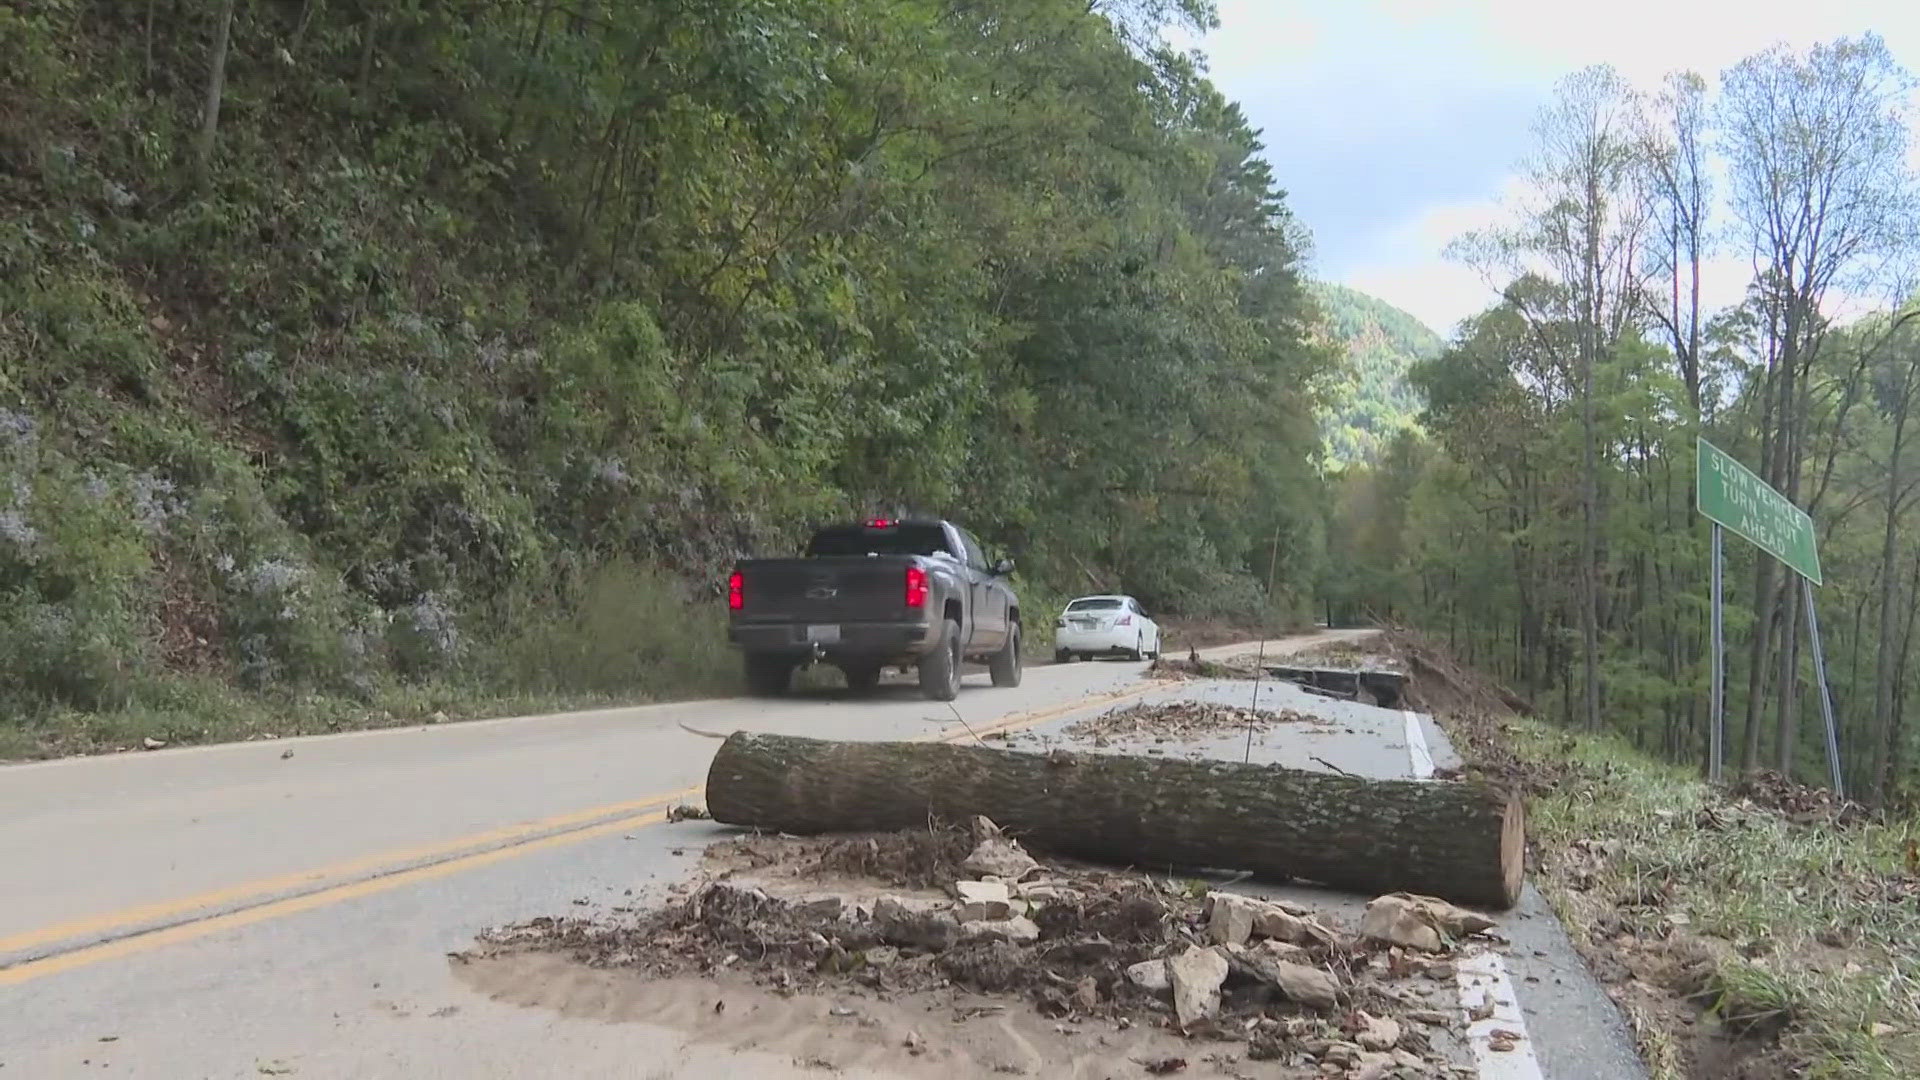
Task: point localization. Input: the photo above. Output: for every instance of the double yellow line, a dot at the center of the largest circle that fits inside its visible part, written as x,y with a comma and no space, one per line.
136,930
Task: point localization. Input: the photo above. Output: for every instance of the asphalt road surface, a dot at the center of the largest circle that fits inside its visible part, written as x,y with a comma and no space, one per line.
285,907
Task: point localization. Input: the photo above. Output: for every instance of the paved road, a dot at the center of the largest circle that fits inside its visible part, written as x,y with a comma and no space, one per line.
236,911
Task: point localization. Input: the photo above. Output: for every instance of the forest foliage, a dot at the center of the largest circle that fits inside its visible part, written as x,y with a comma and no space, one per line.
1543,519
347,346
1372,397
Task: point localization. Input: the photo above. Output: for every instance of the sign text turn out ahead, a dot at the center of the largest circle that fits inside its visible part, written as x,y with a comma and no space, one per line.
1732,495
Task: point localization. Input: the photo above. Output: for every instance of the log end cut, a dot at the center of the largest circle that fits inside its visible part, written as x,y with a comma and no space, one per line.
1513,849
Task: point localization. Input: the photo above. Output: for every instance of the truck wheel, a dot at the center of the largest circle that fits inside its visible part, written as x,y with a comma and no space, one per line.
1062,656
861,678
1006,663
940,669
768,676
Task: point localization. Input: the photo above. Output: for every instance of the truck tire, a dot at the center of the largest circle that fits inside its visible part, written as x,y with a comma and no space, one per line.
940,669
768,676
1005,665
861,678
1062,656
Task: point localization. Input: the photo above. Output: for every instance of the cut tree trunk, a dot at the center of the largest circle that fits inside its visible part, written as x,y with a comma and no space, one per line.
1461,841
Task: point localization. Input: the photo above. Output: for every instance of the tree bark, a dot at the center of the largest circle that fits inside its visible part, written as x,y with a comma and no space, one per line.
1883,672
1461,841
216,88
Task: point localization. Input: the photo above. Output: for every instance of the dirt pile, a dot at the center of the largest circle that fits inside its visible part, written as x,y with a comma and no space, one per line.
1798,803
1180,720
1193,666
1265,982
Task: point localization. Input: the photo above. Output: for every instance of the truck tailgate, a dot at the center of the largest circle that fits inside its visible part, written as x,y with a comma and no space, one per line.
826,590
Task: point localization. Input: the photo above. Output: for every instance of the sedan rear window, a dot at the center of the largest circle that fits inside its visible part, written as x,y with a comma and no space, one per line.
1103,603
892,539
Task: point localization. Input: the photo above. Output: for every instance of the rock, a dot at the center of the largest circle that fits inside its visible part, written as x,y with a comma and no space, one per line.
1086,995
981,900
917,924
1196,976
1419,922
1408,1060
1150,975
982,828
1310,986
1282,925
152,743
1430,1017
1019,930
1281,950
1440,971
881,955
1000,857
1396,921
1372,1067
825,907
1378,1033
1230,918
1341,1053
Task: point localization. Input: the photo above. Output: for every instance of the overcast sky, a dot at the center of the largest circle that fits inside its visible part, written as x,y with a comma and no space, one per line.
1396,125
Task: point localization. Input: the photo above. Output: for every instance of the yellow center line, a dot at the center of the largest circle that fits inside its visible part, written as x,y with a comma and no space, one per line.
390,870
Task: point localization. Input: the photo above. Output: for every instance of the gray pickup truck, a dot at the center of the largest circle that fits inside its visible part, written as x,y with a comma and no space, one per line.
877,594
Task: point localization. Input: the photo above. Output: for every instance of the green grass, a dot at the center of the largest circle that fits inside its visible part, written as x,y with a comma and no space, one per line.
625,633
1812,927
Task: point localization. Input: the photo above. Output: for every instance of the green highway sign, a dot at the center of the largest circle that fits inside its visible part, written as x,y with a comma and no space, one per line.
1729,493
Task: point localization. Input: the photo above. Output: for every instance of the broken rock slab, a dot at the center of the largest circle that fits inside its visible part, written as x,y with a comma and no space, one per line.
1281,925
1196,976
1000,857
1018,930
983,900
1299,982
1418,922
1378,1033
1150,975
1230,917
919,924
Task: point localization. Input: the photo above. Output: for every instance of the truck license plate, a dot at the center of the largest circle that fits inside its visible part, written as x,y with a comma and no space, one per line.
824,635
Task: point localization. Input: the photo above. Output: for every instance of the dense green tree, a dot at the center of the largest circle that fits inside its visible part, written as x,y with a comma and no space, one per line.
401,322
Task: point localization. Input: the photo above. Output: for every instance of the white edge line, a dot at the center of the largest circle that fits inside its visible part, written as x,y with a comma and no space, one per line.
1484,978
1422,758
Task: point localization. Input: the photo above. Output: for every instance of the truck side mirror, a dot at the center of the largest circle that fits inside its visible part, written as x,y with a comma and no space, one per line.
1003,567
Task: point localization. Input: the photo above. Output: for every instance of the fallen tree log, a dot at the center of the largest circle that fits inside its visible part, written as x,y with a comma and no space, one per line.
1461,841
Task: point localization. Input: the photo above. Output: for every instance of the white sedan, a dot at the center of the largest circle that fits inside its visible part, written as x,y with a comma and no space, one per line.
1105,626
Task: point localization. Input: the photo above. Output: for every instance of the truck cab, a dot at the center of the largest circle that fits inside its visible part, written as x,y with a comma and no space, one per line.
880,593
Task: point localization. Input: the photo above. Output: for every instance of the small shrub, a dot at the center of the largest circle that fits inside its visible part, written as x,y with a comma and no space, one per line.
623,628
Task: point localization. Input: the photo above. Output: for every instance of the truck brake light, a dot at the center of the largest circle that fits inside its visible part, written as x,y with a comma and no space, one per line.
736,591
916,587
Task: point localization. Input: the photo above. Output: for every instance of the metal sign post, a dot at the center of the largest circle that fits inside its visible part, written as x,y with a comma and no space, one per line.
1826,699
1730,495
1716,694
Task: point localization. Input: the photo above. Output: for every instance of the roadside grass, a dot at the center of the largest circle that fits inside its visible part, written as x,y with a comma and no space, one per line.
623,634
192,711
1802,933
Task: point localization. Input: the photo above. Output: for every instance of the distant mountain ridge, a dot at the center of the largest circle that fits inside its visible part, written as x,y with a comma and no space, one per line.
1375,400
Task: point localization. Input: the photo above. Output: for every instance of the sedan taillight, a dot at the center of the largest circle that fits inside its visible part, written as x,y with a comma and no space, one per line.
1124,620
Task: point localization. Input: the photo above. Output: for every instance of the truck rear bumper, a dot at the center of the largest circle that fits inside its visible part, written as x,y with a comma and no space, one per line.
881,641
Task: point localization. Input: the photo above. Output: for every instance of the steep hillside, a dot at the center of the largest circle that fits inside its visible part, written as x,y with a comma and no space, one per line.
1373,399
453,353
